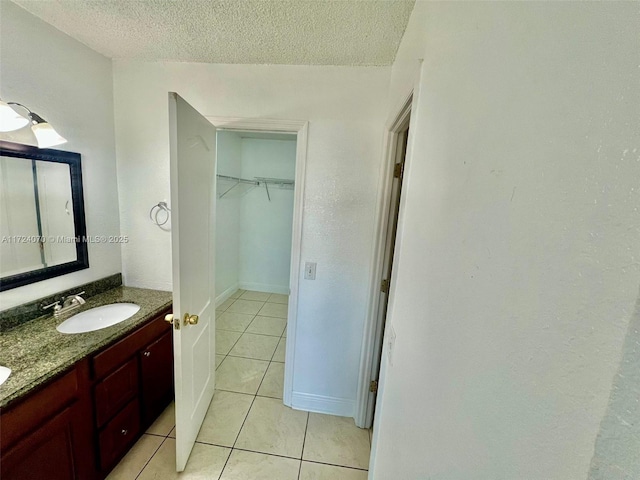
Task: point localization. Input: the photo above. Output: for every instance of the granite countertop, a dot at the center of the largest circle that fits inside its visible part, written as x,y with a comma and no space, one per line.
36,351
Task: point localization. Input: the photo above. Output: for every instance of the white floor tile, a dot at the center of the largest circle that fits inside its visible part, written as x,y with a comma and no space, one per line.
248,307
219,359
165,422
225,340
224,418
237,294
267,326
278,298
257,466
206,462
336,440
135,460
317,471
257,296
242,375
274,310
235,322
273,382
225,305
281,350
273,428
260,347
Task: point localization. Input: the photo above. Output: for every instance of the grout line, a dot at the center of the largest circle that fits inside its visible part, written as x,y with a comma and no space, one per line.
148,461
253,333
234,344
250,358
336,465
269,454
304,439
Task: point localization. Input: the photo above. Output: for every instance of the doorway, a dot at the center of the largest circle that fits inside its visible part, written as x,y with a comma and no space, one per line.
391,186
254,220
267,189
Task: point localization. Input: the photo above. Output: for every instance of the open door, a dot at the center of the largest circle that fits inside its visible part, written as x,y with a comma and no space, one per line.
192,141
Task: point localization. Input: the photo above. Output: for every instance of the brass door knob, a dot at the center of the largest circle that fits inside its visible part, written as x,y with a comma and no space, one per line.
191,319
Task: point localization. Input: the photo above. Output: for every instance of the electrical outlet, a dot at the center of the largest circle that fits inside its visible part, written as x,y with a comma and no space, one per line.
310,271
391,345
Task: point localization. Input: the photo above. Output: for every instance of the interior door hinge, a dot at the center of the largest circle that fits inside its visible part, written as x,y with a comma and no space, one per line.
384,286
397,170
373,386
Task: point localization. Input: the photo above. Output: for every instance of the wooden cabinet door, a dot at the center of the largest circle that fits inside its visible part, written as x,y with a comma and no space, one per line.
48,452
156,362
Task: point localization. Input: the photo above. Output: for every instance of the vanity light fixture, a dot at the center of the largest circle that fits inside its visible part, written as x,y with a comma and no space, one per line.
44,132
10,120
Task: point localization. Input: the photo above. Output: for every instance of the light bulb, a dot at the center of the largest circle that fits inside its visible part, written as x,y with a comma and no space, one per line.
10,120
46,135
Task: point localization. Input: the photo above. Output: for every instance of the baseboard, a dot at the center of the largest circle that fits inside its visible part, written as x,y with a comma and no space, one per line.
226,294
342,407
264,287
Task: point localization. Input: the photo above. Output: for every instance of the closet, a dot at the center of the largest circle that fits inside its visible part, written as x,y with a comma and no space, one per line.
254,211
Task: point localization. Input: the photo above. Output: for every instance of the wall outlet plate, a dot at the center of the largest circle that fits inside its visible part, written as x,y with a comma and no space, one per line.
310,271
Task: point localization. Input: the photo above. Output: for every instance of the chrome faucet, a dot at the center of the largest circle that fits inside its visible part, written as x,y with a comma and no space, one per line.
69,303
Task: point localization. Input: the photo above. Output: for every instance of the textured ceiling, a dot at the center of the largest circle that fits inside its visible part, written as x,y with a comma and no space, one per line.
298,32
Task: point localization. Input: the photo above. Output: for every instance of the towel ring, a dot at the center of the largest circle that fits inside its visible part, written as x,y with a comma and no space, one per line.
155,211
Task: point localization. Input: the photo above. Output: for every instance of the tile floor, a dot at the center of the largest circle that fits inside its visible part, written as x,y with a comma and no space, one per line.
248,434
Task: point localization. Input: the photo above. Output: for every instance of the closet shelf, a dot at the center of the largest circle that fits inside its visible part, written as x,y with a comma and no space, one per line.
226,184
241,186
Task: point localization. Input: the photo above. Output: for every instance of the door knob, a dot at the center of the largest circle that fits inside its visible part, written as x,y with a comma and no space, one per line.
190,319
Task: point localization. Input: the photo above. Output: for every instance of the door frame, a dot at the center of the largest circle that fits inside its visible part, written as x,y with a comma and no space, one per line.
374,326
300,129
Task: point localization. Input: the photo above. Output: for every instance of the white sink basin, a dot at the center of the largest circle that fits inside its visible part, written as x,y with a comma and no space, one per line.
98,318
4,374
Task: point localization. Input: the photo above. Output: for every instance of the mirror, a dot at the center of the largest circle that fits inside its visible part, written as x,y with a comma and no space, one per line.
42,223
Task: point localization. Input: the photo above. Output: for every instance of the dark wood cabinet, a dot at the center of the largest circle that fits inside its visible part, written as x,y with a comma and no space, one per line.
51,427
156,372
78,426
47,453
133,385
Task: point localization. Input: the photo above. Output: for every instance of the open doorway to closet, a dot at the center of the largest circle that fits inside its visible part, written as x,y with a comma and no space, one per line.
259,205
254,224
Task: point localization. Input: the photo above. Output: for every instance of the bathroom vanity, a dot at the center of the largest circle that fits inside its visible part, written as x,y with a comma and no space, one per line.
75,404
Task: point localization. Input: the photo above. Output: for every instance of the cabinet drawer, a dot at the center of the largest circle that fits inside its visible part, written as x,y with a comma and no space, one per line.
112,393
119,434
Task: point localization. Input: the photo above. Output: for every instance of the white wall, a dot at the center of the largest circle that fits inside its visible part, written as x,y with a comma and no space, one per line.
71,86
265,226
228,159
346,111
517,269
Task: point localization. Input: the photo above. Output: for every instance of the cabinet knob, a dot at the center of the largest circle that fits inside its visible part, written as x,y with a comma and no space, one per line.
124,431
168,318
147,354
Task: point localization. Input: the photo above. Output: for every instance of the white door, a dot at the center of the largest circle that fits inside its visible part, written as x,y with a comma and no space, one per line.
192,142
